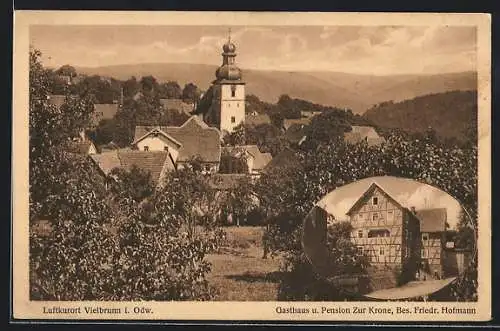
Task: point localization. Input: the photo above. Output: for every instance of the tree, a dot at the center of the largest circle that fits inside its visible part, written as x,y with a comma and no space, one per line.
134,184
105,131
287,194
191,93
149,86
130,87
240,200
170,90
234,162
125,119
66,70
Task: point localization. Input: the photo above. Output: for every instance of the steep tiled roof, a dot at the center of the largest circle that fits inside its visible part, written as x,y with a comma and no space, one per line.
255,120
177,104
196,137
360,133
154,162
432,220
148,161
369,191
107,161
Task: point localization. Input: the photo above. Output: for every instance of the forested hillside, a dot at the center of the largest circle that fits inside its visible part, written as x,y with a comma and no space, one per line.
450,114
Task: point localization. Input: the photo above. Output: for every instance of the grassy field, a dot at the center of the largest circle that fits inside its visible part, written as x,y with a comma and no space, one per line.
239,272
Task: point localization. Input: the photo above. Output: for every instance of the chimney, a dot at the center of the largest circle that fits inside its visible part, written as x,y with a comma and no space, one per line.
412,208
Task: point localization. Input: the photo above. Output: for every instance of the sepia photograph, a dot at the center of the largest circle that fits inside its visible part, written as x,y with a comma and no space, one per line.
301,161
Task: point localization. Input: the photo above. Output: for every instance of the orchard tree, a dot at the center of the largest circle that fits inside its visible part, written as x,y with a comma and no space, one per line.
191,93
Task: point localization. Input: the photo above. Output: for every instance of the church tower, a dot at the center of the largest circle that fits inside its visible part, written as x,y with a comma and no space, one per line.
228,99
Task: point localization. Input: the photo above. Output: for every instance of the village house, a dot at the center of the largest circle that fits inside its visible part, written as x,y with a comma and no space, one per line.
192,140
386,232
433,242
413,241
366,133
256,160
158,164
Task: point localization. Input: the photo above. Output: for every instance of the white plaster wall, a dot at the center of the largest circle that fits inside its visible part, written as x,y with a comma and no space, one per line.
158,143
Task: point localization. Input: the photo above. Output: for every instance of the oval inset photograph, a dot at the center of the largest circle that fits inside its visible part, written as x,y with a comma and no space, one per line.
390,238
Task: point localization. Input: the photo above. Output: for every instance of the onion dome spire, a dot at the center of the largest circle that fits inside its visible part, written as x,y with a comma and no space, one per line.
228,70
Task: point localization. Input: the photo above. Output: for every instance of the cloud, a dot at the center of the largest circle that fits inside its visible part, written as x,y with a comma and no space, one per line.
379,50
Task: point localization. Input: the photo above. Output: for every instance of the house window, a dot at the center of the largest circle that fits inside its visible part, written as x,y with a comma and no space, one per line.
425,254
207,167
367,216
381,251
375,201
238,105
390,215
375,216
146,148
233,119
376,233
425,236
360,250
233,91
360,233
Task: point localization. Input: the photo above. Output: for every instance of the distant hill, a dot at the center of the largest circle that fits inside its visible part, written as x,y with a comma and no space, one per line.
448,113
357,92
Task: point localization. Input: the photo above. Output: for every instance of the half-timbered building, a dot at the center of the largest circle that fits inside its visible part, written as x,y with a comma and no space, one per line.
386,232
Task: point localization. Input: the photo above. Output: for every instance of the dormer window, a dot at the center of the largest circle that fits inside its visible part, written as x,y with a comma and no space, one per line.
146,148
165,148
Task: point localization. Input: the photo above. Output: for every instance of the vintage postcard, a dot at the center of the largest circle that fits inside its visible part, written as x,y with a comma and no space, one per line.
251,166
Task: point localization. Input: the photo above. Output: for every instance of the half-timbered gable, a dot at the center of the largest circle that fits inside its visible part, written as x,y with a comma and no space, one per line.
384,230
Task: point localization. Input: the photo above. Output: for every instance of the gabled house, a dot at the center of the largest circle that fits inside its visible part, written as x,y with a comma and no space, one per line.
157,140
156,163
193,139
366,133
256,160
386,232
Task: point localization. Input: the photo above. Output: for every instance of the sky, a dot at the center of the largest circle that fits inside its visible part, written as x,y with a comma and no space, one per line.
407,192
377,50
